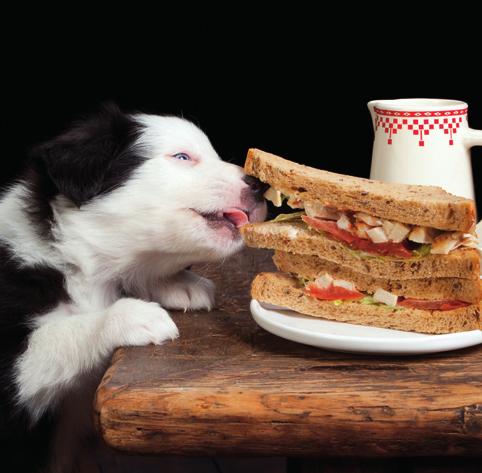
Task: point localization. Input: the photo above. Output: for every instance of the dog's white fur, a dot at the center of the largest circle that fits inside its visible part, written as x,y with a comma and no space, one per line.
135,240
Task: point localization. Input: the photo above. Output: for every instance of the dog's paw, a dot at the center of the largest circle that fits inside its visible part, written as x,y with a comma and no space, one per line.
133,322
187,291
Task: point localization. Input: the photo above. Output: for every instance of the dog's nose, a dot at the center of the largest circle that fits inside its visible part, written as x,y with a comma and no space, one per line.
257,187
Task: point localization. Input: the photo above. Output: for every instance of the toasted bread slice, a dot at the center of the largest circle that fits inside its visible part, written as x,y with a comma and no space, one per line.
417,205
283,290
296,237
311,266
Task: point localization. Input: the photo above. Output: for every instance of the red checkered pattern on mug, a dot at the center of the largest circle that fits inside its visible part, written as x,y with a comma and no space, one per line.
419,127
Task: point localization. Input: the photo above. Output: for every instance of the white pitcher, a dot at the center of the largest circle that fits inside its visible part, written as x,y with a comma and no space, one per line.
423,141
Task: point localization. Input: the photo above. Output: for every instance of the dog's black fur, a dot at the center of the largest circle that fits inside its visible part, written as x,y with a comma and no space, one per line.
93,157
24,291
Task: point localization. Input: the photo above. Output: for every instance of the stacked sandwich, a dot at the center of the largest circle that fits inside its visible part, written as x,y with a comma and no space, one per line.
366,252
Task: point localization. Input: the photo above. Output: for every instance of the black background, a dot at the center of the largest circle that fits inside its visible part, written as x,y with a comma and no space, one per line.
296,86
309,108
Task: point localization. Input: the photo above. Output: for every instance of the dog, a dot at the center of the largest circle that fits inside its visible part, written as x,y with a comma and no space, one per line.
96,240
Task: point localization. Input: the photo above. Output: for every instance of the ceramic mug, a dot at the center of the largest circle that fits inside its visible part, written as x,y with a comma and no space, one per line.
423,141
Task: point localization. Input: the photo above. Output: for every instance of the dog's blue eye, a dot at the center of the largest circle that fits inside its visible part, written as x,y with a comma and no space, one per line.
182,156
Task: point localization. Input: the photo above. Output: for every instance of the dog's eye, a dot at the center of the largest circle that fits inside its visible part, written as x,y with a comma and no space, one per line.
182,156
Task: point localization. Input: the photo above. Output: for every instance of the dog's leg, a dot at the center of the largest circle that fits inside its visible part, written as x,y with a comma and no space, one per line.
185,290
64,346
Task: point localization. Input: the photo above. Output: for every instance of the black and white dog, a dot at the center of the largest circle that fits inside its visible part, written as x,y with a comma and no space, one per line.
95,239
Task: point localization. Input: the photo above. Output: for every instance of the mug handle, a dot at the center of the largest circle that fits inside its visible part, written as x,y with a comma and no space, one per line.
472,138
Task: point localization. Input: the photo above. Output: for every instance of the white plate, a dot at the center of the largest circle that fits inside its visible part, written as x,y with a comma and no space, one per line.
339,336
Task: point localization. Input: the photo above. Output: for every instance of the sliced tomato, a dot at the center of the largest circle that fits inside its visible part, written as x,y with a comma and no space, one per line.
398,250
332,293
331,227
424,304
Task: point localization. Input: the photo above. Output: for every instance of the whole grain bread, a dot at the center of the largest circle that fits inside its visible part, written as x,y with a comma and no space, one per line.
283,290
296,237
418,205
311,266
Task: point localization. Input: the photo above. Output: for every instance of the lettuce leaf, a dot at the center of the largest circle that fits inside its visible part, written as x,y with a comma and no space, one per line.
363,254
422,250
288,217
304,281
368,300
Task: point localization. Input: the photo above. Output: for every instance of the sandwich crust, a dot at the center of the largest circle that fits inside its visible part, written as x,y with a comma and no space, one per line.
296,237
283,290
427,206
311,266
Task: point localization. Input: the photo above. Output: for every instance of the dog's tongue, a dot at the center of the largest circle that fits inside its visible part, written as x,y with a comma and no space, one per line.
236,216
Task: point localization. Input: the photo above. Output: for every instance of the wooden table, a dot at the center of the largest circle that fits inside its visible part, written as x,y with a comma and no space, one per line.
228,387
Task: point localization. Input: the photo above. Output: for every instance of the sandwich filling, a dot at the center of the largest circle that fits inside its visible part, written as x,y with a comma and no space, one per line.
328,288
374,235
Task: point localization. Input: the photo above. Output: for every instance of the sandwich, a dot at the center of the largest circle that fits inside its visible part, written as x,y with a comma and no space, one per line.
366,252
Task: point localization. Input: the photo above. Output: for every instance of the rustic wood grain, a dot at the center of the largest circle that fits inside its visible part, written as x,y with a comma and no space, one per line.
227,387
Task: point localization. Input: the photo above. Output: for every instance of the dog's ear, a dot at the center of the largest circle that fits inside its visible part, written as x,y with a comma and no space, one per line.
94,156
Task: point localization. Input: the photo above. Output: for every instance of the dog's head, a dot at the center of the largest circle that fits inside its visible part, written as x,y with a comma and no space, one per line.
154,182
